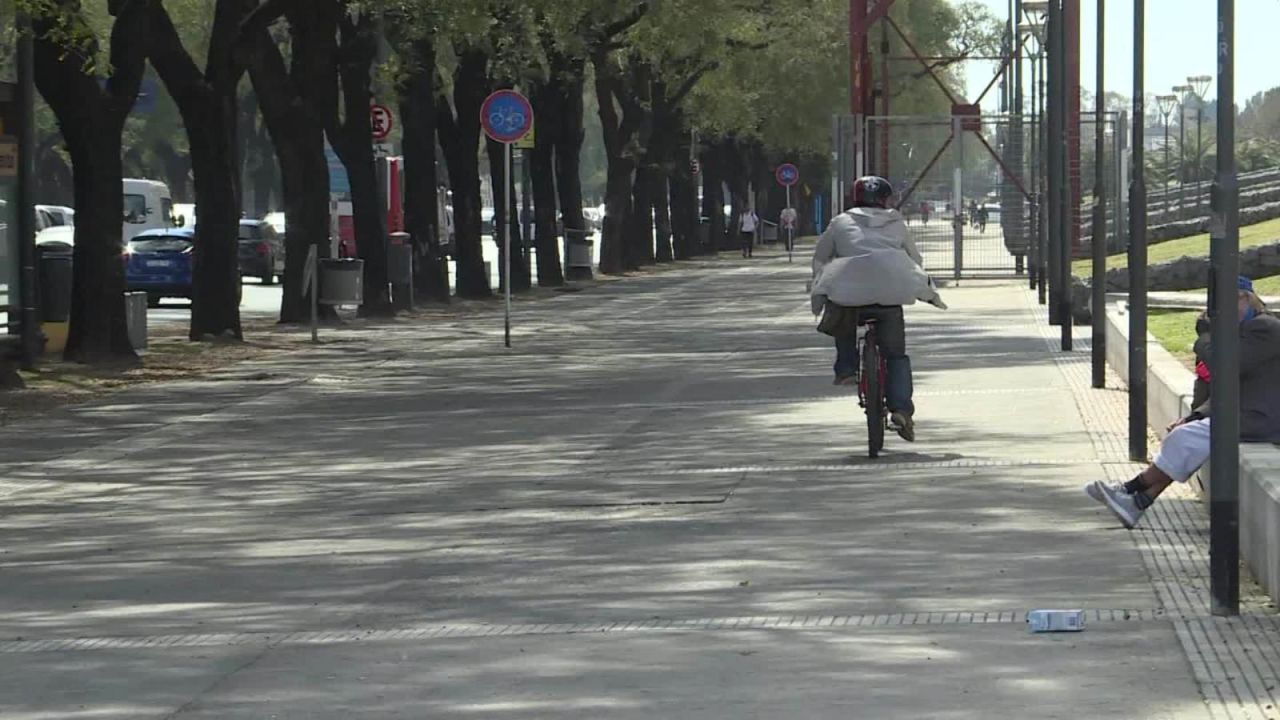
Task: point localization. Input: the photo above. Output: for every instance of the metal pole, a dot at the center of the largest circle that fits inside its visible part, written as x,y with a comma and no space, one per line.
1182,156
506,242
957,222
791,229
1138,248
1164,193
1043,213
1199,152
1057,173
1034,184
29,318
1224,505
1068,139
1100,211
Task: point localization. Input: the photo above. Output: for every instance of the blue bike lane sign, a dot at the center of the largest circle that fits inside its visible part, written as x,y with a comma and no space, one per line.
506,116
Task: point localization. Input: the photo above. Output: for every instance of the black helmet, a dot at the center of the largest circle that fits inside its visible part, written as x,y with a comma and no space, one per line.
871,191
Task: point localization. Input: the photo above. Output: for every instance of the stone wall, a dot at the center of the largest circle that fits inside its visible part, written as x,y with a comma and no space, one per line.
1186,273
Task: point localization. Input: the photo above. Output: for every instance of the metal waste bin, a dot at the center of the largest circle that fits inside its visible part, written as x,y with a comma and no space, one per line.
399,259
341,281
55,287
579,250
135,314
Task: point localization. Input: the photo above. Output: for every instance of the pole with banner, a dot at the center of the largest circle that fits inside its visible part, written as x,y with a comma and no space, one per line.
507,117
788,175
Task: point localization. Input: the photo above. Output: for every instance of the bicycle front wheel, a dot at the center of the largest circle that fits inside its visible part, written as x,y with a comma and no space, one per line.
874,397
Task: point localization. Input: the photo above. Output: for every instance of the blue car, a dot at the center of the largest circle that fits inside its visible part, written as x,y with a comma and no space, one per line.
158,262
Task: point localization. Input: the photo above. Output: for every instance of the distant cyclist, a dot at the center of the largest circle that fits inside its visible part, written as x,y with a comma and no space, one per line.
867,262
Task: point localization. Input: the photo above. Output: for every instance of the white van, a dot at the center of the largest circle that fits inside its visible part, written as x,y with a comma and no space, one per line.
147,206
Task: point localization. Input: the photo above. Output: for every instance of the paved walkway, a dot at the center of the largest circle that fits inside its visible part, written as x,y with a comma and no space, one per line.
655,506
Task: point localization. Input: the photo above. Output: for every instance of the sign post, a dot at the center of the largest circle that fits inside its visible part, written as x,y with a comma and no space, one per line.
507,117
788,175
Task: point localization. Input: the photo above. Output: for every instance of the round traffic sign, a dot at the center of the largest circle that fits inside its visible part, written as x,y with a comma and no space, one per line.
381,121
787,174
506,116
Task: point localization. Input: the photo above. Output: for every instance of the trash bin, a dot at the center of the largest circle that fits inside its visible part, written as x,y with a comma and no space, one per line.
55,287
399,259
341,281
135,313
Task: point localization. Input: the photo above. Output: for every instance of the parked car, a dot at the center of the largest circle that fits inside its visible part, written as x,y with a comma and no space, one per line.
262,251
48,216
147,206
159,262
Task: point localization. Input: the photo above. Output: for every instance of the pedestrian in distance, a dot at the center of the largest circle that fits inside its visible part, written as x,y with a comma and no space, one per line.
747,225
924,212
1186,449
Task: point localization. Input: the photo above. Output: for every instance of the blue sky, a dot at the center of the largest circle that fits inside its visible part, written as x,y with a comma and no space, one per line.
1181,35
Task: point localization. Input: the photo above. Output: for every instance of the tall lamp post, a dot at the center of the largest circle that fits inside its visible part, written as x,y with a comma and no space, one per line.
1037,14
1183,92
1199,86
1036,256
1138,246
1099,294
1224,498
1166,104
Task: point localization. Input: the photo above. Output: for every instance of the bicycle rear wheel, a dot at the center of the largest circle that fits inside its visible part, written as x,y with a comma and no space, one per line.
873,395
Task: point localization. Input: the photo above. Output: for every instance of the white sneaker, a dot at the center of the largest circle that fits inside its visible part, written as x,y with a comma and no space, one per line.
1119,502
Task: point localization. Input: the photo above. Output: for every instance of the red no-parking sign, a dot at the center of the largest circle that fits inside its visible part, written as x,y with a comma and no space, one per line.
381,120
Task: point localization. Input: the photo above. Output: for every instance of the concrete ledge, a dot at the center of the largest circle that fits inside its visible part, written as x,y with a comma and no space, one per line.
1169,385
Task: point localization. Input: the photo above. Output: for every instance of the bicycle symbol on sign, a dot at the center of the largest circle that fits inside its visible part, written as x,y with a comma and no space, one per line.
506,116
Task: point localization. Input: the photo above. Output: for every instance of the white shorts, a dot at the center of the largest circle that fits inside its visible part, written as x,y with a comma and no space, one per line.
1185,451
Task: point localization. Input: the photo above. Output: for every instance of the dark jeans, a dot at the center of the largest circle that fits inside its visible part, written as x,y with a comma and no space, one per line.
891,337
748,243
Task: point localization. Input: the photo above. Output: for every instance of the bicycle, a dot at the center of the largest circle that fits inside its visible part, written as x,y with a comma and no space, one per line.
871,384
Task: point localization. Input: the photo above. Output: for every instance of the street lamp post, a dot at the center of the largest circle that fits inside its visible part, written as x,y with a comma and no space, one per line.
1037,14
1036,274
1182,92
1166,104
1099,283
1224,498
1199,85
1138,246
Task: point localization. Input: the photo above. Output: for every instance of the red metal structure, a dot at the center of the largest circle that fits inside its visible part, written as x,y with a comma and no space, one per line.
864,14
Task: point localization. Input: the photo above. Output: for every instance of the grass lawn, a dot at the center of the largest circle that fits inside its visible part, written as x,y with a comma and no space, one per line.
1195,245
1268,286
1176,331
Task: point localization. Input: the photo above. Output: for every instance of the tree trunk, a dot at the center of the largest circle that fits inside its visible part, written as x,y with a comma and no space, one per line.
508,220
91,117
568,80
351,138
207,102
291,102
737,179
713,197
660,194
684,202
541,161
640,226
417,109
460,139
619,133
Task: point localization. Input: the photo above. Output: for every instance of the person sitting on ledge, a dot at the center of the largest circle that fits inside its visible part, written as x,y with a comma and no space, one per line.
1186,449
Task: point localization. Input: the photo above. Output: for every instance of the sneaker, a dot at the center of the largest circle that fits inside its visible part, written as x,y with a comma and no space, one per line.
905,425
1120,503
846,380
1094,490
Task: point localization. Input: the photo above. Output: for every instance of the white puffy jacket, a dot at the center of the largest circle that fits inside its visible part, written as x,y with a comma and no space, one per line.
866,257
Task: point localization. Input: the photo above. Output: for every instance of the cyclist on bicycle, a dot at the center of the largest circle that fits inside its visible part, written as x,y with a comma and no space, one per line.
867,262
